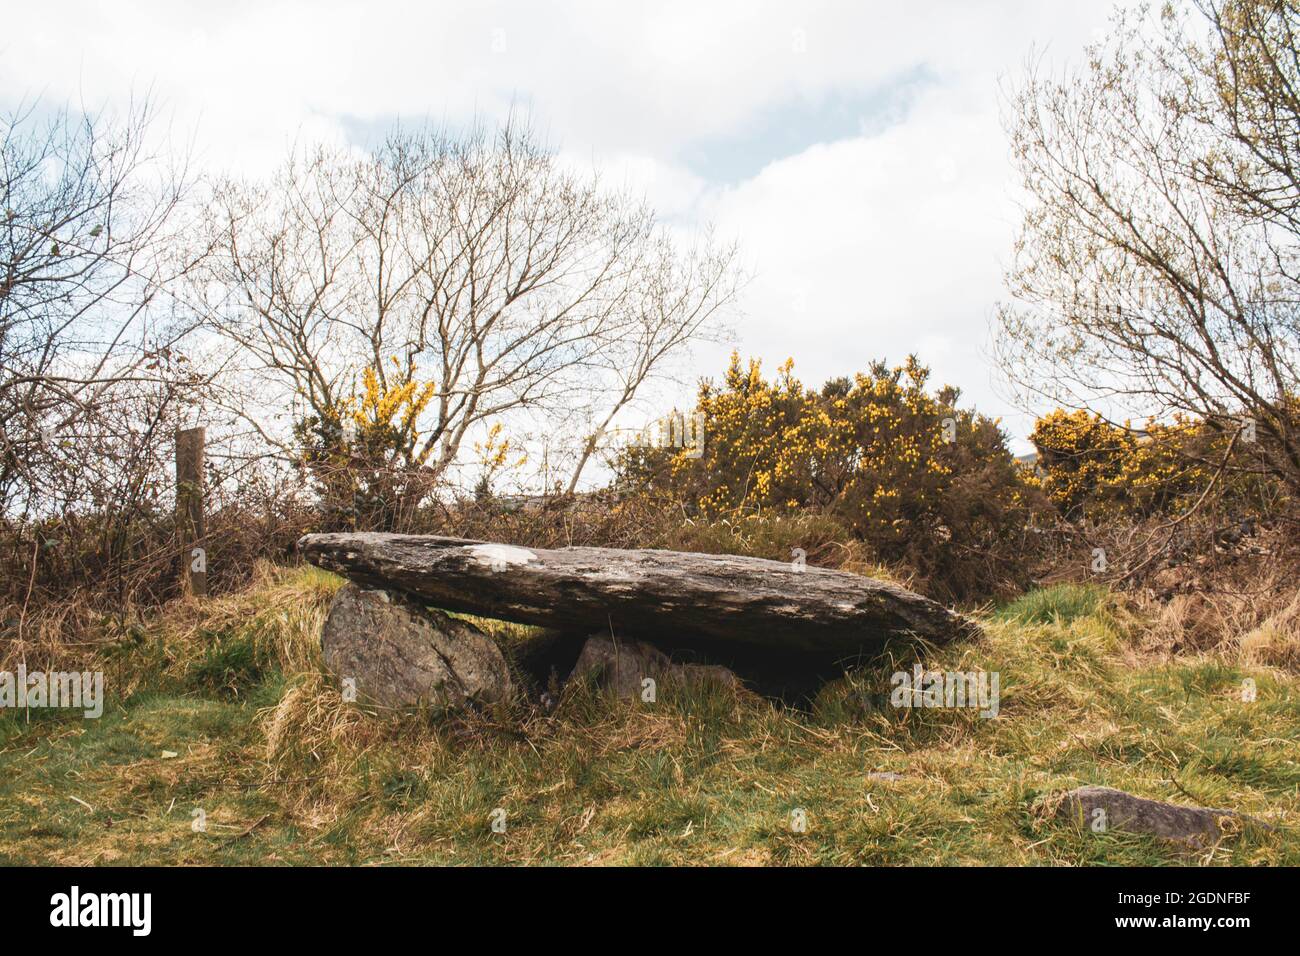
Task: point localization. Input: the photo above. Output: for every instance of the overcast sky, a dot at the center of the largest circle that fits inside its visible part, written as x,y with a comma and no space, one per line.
855,150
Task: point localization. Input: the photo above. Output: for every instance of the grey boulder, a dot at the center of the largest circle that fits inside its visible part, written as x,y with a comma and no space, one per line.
400,654
622,666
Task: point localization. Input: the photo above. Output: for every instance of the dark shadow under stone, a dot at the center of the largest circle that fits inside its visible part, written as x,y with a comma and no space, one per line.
792,677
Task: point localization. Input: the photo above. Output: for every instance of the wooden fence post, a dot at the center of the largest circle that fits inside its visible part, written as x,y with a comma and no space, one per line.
189,510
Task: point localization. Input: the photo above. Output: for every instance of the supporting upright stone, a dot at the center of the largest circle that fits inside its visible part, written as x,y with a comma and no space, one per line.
393,652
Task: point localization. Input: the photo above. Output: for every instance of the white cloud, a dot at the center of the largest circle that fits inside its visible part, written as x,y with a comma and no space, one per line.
875,247
891,242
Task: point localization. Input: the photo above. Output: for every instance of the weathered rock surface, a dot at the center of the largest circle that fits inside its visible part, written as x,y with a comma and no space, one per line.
621,666
401,654
642,593
1196,826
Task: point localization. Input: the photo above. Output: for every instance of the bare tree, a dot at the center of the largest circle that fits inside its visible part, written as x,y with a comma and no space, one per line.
1249,96
87,337
1156,264
477,266
678,297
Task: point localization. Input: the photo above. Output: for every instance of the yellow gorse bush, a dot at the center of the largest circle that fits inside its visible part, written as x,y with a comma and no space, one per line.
367,454
894,464
1092,468
391,412
493,454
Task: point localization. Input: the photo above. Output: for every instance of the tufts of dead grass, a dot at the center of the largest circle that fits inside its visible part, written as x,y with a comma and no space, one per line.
1243,606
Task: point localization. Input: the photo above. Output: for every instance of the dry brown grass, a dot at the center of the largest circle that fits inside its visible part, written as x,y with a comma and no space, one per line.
1242,602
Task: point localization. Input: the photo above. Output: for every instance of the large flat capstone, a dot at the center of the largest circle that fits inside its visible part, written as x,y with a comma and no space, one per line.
641,592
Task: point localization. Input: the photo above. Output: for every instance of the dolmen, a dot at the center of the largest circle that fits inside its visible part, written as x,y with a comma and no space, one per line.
383,635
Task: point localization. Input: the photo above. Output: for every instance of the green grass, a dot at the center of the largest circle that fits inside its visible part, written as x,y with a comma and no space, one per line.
1062,602
285,772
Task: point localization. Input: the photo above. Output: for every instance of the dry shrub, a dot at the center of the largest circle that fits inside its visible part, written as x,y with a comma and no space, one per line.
552,521
110,561
71,584
1236,596
65,633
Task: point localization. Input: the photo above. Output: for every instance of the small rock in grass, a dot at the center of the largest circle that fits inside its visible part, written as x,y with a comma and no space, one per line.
1104,808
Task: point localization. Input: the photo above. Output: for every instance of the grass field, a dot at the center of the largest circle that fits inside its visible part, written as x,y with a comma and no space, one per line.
223,710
